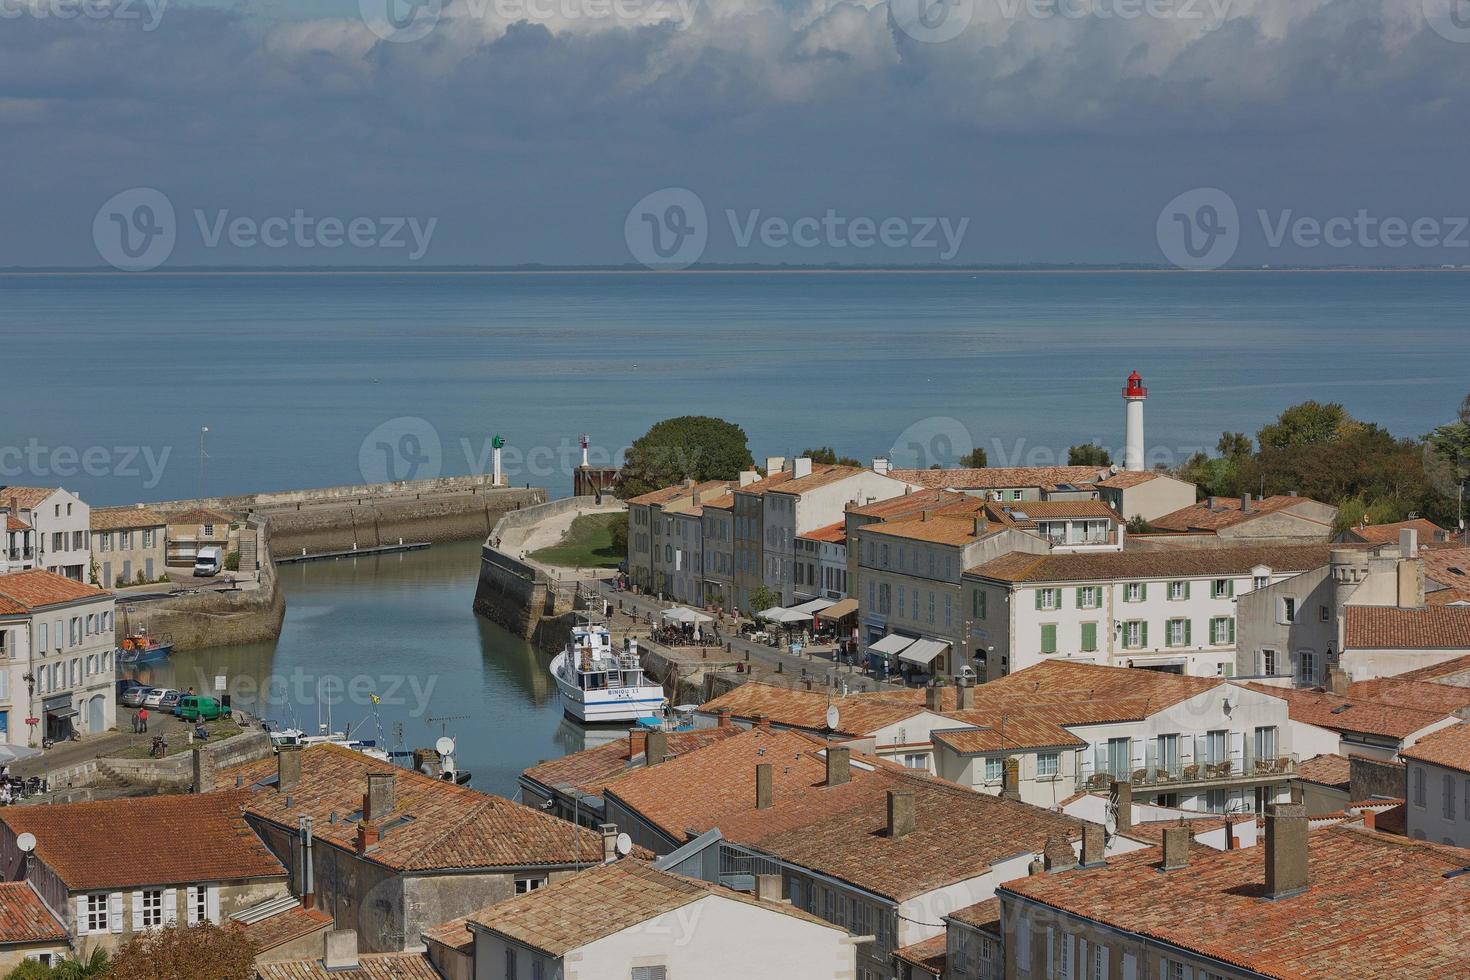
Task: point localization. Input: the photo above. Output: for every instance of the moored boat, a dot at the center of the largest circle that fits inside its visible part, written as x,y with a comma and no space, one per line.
144,647
599,684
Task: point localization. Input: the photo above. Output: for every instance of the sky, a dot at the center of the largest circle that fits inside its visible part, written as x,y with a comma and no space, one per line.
147,134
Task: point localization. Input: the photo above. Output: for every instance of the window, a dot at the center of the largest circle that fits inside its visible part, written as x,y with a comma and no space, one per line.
1224,588
1023,943
152,908
198,905
1266,742
1047,764
1449,797
977,603
1135,592
529,883
1049,638
1174,970
1089,597
915,760
94,914
1222,630
1286,611
1308,667
1096,967
994,770
1419,786
1089,637
1178,591
1261,581
1215,750
1324,613
1177,634
1015,494
538,970
1135,634
510,964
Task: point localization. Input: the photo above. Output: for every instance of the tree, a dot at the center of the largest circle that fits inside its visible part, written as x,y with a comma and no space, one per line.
202,952
1088,454
762,598
827,456
31,970
975,459
1233,445
1308,424
617,529
96,965
694,447
1447,461
1137,525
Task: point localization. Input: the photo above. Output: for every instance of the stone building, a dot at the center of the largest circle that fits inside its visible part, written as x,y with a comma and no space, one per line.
62,525
127,546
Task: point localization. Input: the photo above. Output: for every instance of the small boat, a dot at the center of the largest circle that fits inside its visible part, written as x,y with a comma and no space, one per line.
143,647
599,684
295,736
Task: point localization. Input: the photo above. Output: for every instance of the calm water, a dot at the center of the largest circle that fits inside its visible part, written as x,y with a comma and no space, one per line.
308,380
399,626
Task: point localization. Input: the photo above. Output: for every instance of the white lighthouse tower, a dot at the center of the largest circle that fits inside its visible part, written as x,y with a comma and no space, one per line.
1133,397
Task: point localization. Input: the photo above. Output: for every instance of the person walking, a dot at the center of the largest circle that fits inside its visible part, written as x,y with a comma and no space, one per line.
143,719
136,729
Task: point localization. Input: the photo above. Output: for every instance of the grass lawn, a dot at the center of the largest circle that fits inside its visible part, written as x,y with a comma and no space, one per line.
587,544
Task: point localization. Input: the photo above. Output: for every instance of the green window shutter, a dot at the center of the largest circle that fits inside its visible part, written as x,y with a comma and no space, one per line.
1187,584
1187,632
1049,639
1231,628
1089,637
1079,598
1143,592
1143,633
1230,588
1038,598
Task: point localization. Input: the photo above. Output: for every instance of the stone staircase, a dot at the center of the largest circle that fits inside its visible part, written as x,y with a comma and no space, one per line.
250,550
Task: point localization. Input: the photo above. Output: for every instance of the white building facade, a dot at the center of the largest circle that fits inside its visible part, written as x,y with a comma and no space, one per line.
63,526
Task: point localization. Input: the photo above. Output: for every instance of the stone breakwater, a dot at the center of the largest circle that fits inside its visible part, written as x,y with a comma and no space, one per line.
519,595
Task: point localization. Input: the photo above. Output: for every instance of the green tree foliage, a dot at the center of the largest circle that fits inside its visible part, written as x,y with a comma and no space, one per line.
618,529
1233,445
827,456
762,598
31,970
1308,424
202,952
694,447
1088,454
975,459
1448,461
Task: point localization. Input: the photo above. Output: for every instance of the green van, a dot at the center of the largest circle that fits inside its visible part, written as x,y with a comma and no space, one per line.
194,707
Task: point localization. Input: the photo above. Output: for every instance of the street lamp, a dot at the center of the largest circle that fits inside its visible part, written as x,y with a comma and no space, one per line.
203,431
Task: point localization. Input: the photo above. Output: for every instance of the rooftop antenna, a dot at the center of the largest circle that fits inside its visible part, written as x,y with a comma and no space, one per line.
443,721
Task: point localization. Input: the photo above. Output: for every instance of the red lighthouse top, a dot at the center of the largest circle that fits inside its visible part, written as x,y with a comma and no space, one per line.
1135,387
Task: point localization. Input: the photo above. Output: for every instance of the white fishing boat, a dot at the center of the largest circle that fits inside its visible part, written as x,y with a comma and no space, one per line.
599,684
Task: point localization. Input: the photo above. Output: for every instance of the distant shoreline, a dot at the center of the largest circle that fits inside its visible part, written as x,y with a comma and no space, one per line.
19,272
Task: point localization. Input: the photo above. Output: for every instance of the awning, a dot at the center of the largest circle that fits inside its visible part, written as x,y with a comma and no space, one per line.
681,614
16,753
892,643
783,616
839,610
813,607
921,652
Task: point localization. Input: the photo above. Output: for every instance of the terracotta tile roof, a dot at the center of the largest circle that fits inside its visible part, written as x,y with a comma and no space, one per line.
568,914
909,503
151,840
123,518
452,826
1059,682
982,915
1052,509
928,956
1392,628
1429,532
37,589
1152,831
831,534
455,934
590,769
13,523
1127,479
1000,477
26,498
1164,564
1317,707
1445,668
1448,747
1021,732
1326,770
725,501
857,715
1424,695
951,529
284,927
370,966
24,918
201,515
821,475
1227,513
759,487
1364,914
958,834
1450,568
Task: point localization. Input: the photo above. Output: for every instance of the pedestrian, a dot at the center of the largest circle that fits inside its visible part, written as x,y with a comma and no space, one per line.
143,719
135,723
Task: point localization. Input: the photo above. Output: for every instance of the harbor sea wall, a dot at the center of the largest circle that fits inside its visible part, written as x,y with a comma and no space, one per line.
516,594
369,515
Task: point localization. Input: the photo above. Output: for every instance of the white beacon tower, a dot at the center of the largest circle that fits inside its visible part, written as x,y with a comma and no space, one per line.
1133,397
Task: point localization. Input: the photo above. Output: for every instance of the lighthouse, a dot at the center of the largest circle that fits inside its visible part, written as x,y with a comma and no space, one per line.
1133,396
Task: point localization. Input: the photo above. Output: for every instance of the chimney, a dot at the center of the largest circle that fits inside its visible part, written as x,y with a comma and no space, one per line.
1058,855
801,466
900,812
1230,843
747,477
839,765
1121,799
880,465
763,722
307,881
1094,845
1245,503
934,696
688,483
637,742
1010,781
768,888
1410,577
203,770
368,836
378,802
339,950
1176,847
609,834
722,718
655,748
1336,681
1408,542
964,694
763,786
982,527
1286,850
1212,503
288,767
775,464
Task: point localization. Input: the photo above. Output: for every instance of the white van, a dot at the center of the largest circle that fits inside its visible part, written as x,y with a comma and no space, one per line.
207,563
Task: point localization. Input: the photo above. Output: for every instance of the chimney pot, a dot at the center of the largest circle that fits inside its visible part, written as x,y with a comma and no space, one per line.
964,694
763,722
1176,847
839,765
1286,850
339,950
722,718
1212,503
368,836
1094,845
900,812
203,770
934,696
655,748
288,767
1245,503
763,790
1121,798
637,742
1011,779
1058,855
379,800
609,834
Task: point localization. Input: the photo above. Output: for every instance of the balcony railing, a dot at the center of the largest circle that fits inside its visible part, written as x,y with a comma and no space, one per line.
22,554
1240,767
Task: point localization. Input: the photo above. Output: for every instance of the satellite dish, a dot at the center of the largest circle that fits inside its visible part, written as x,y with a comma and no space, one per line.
1115,469
445,745
833,717
624,845
26,842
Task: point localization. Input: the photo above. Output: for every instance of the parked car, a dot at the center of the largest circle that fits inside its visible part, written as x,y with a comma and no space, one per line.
196,707
156,695
134,697
208,562
170,702
126,684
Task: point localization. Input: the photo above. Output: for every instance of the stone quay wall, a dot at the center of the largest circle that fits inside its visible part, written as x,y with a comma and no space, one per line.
514,593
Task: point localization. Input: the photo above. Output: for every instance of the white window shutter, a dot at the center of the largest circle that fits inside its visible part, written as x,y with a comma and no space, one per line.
211,900
81,915
191,904
115,911
1051,947
137,911
170,906
1102,959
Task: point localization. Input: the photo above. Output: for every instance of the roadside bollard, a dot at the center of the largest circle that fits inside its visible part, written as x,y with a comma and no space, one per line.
780,666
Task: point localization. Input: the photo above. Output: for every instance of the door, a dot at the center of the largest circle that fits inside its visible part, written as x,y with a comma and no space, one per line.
107,575
94,714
